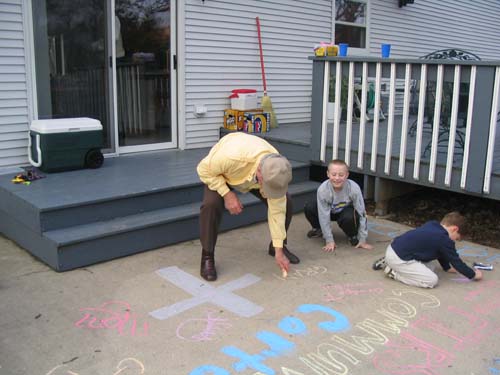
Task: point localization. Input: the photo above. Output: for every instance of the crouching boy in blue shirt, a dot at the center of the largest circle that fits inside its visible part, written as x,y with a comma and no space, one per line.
408,258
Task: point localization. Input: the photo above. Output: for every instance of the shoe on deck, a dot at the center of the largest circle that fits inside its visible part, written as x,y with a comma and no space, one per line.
389,272
379,264
294,259
315,233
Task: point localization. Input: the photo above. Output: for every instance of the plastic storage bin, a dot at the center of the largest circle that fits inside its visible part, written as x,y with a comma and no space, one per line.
65,144
243,99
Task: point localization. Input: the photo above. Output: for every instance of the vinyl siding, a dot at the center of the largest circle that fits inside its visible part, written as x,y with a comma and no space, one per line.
222,53
13,87
426,26
222,48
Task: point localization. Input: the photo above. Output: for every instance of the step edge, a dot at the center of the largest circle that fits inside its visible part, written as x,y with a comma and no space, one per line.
43,210
192,210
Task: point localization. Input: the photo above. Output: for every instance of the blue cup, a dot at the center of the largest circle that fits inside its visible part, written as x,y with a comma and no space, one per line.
386,50
343,49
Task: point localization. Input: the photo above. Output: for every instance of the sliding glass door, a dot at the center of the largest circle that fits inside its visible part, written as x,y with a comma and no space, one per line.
144,96
71,60
109,60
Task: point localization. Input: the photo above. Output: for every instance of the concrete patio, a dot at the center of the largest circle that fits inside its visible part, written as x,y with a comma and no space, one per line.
151,313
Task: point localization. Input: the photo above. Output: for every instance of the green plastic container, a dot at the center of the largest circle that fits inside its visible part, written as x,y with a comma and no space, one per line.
65,144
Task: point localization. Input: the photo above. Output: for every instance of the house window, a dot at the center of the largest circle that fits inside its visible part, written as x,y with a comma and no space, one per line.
350,22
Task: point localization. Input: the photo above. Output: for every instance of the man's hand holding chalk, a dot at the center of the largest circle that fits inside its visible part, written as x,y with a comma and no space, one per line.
282,261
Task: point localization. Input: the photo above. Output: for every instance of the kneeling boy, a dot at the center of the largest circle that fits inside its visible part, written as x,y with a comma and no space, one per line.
338,199
408,258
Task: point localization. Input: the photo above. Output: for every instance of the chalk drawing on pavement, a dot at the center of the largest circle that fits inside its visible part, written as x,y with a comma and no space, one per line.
202,329
297,273
116,315
479,252
128,366
496,369
338,292
202,293
388,230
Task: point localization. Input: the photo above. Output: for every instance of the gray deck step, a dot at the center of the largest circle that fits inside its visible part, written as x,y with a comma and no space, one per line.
85,232
80,208
85,244
95,210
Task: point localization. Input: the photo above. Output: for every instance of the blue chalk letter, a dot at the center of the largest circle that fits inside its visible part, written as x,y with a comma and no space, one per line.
341,323
247,360
209,370
292,326
277,344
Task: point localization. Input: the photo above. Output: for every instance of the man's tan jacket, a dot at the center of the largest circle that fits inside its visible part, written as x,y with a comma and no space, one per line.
234,161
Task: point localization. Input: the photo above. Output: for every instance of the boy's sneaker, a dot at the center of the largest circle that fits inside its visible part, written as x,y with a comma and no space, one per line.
379,264
389,272
354,240
315,233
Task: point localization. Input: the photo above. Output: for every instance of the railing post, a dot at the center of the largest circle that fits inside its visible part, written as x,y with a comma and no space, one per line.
317,107
479,132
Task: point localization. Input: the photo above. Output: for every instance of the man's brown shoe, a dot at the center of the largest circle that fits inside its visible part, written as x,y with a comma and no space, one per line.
294,259
207,269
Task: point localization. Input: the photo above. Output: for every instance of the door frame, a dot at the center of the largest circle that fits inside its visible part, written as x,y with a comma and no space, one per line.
173,89
115,149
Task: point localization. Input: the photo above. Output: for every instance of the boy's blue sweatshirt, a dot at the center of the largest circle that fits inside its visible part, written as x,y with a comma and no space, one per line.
429,242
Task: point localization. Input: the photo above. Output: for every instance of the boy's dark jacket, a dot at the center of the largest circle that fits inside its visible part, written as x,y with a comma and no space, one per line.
429,242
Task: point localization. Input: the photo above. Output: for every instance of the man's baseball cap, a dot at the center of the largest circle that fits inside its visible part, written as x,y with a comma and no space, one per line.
276,175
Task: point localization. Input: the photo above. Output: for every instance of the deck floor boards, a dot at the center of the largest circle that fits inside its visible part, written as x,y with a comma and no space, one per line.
137,174
122,176
119,177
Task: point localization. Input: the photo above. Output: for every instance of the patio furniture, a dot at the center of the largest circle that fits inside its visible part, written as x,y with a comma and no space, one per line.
444,123
370,105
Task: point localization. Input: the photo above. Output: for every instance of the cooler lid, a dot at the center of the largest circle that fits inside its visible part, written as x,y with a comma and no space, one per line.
65,125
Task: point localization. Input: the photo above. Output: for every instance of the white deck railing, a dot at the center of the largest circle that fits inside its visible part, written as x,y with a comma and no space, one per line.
456,102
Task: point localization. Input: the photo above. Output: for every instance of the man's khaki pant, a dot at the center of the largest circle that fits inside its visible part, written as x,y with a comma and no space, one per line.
411,272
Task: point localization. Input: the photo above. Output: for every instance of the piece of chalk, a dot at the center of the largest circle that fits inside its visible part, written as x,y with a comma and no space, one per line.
483,266
284,273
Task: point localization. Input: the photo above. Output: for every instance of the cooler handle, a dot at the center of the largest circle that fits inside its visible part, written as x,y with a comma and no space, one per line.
38,150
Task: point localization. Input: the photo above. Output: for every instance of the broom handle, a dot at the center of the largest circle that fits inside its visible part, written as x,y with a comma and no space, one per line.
261,56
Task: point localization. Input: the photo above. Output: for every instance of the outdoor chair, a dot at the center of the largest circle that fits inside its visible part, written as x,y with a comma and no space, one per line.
445,118
370,102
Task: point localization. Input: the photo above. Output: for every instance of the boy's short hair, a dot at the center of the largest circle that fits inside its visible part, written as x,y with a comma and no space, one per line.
455,218
338,162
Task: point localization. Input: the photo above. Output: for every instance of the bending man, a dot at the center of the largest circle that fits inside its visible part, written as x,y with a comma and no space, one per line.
245,163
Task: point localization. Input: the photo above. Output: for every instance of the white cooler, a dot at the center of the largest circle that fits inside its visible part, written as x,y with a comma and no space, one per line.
64,144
